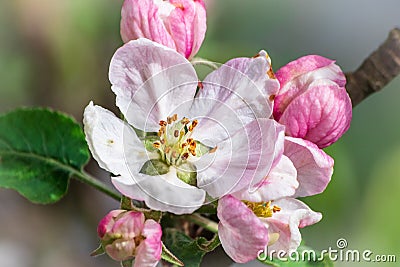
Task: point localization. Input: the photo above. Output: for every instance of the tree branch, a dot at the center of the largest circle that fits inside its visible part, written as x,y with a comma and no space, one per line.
381,67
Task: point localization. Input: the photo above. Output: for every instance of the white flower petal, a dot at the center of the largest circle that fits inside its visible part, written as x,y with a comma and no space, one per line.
280,182
164,192
113,143
293,215
241,161
233,96
150,81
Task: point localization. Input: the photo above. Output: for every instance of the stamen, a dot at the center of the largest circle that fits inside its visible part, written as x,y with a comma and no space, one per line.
261,209
276,209
185,121
169,120
193,125
157,144
175,144
212,150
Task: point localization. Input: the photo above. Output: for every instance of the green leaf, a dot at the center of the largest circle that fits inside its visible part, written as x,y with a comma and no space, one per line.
190,251
40,150
304,257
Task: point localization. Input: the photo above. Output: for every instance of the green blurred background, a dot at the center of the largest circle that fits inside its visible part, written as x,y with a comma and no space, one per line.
56,53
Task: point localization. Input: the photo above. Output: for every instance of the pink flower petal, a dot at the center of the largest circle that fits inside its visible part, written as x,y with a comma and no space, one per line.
151,82
241,232
120,249
142,19
106,224
314,166
321,115
294,214
187,25
129,225
148,253
296,76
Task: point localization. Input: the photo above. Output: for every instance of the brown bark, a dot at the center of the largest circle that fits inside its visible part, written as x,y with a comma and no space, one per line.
381,67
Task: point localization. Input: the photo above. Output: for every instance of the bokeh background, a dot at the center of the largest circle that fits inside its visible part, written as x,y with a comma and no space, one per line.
56,53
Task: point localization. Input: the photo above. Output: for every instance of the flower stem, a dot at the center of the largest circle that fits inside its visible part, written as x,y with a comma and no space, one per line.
201,61
90,180
203,222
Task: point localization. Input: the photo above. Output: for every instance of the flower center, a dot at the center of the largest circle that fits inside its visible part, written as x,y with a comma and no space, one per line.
262,209
175,144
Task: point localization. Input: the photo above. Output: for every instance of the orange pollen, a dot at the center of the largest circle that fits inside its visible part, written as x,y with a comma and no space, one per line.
200,85
156,144
276,209
185,121
163,123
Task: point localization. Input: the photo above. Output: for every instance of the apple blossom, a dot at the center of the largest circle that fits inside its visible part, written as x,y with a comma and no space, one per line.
216,140
178,24
270,215
312,102
127,235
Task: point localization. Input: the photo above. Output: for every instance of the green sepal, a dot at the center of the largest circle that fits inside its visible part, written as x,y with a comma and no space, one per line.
169,257
154,167
187,172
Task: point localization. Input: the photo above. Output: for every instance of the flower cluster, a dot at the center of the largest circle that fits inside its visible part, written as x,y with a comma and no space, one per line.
244,137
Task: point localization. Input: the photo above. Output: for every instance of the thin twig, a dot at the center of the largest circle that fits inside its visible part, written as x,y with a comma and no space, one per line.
381,67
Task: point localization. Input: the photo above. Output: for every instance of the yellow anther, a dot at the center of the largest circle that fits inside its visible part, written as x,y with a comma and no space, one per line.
260,209
169,120
193,125
185,121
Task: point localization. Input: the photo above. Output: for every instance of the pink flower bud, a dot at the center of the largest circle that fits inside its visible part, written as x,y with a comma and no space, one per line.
127,235
312,102
178,24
